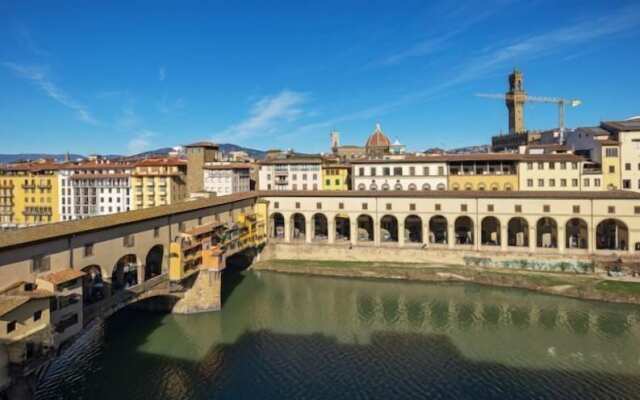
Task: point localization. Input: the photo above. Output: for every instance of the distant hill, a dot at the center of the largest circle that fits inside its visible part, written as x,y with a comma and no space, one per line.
11,158
225,147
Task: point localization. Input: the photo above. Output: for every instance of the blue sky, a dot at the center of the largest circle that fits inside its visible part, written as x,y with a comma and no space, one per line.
123,77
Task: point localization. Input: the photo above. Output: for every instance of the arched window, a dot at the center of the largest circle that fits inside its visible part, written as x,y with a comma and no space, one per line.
426,186
373,186
494,187
362,186
455,186
481,186
508,187
440,186
398,186
412,186
468,186
385,186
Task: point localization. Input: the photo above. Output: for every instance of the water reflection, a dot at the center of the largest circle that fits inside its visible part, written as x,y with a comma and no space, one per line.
284,336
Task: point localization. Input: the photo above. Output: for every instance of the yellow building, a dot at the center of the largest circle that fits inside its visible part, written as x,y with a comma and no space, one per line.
491,172
29,194
611,167
336,177
158,182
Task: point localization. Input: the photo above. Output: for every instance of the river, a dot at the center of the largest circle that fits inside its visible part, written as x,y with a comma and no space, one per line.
293,336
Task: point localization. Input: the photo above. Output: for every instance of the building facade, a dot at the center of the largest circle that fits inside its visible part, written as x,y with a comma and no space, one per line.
290,172
411,173
227,178
159,182
336,177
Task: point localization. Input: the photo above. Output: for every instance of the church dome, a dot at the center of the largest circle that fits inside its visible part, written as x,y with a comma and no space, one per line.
378,138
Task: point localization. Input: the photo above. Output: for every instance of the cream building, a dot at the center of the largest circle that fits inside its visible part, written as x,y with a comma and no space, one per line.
227,178
550,172
286,172
158,182
410,173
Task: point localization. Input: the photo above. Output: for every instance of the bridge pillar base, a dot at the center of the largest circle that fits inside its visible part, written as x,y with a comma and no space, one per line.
204,296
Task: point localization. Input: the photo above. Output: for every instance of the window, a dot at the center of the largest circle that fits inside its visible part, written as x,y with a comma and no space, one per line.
596,182
612,169
425,171
541,182
546,208
438,207
386,171
552,182
327,182
574,165
11,326
373,171
365,206
388,206
40,263
297,204
412,206
88,249
463,207
611,152
361,171
319,206
129,240
182,227
626,183
540,165
412,171
585,182
574,182
490,207
636,209
276,204
529,165
341,206
552,165
529,182
304,177
576,209
612,210
37,315
518,208
563,165
563,182
295,186
397,171
627,167
440,170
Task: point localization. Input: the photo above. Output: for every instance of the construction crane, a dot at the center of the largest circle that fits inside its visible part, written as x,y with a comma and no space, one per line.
540,99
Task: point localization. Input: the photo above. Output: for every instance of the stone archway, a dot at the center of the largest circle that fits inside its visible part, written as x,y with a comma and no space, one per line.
518,232
125,273
277,226
389,229
490,231
547,233
153,262
438,230
365,228
343,227
298,227
576,234
413,229
463,229
93,287
320,227
612,234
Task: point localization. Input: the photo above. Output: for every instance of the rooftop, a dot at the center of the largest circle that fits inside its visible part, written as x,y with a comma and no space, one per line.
206,144
622,126
62,276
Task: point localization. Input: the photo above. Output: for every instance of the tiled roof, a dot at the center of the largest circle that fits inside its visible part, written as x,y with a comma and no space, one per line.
230,166
624,126
158,162
378,139
62,276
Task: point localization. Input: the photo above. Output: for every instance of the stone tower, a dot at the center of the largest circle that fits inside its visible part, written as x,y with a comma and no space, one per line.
515,99
198,154
335,140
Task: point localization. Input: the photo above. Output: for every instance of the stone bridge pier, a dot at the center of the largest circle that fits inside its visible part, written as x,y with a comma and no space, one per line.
205,294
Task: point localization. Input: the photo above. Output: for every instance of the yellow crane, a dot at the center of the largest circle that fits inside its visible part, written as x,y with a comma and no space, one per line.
539,99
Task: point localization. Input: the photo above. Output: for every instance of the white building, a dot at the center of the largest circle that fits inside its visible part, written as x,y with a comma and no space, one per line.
290,172
94,188
229,178
411,173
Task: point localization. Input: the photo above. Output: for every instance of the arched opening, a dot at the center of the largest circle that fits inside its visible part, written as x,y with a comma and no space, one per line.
438,230
125,273
389,229
463,229
298,227
468,186
412,186
362,186
547,233
518,232
343,228
413,229
426,186
385,186
373,186
153,262
320,227
277,226
441,186
494,187
93,289
490,235
612,234
577,234
365,228
455,186
398,186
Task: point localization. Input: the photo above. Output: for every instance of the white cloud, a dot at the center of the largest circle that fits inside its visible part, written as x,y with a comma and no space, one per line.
267,114
141,141
167,106
162,73
39,78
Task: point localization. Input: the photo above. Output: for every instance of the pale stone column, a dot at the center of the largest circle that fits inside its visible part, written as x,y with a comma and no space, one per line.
532,239
331,230
400,233
451,236
561,239
425,234
287,228
477,237
376,231
353,227
592,239
504,239
308,231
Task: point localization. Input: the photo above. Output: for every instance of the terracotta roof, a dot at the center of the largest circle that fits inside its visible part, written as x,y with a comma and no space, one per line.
203,144
62,276
230,166
89,176
609,142
10,303
378,138
473,157
603,195
292,160
60,229
158,162
199,230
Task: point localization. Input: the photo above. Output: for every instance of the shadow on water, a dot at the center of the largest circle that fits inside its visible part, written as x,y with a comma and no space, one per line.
270,365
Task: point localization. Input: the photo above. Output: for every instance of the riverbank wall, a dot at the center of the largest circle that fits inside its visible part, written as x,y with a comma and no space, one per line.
577,277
